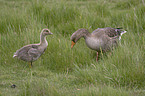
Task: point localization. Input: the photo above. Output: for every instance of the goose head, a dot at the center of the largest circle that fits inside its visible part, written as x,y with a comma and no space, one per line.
46,32
43,34
77,35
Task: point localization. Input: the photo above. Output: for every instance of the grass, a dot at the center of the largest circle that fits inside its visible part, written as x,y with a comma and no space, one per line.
62,71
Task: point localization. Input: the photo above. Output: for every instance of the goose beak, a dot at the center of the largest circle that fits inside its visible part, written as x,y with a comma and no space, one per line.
72,44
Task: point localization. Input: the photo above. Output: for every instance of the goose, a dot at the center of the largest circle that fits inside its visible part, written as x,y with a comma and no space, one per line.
100,40
32,52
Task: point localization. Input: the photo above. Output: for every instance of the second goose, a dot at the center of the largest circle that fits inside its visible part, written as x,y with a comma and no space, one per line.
101,39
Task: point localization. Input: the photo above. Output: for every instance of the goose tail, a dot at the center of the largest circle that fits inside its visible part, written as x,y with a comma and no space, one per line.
15,55
121,33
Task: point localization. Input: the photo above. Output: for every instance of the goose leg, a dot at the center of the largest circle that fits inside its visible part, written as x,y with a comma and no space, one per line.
97,57
30,64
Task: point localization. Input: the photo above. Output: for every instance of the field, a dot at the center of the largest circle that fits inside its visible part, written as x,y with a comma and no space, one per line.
62,71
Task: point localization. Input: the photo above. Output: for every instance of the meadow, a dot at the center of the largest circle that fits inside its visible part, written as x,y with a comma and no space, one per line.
62,71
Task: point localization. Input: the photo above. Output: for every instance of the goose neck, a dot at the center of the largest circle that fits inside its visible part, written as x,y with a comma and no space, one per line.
43,40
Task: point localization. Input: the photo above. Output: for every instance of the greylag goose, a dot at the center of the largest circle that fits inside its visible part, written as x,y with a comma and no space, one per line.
32,52
101,39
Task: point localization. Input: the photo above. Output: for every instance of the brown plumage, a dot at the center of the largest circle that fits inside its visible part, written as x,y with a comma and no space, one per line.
32,52
101,39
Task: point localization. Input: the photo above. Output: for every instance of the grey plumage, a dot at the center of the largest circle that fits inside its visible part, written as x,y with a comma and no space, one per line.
101,39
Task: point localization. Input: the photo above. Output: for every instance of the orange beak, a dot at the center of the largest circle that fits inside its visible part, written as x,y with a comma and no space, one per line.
72,44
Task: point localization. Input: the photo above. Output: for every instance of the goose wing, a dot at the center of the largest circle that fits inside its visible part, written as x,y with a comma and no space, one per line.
25,52
110,32
114,32
34,53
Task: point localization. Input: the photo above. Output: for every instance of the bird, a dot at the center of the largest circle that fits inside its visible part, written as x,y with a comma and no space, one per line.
32,52
100,40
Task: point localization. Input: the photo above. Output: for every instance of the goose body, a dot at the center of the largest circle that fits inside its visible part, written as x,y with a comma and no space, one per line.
32,52
101,39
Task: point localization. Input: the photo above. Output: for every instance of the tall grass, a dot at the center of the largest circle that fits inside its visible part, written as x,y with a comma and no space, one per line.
64,71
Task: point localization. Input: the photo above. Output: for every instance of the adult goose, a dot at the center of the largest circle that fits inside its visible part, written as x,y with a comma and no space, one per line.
32,52
101,39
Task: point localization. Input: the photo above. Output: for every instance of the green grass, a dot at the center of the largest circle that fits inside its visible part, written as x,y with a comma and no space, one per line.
62,71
